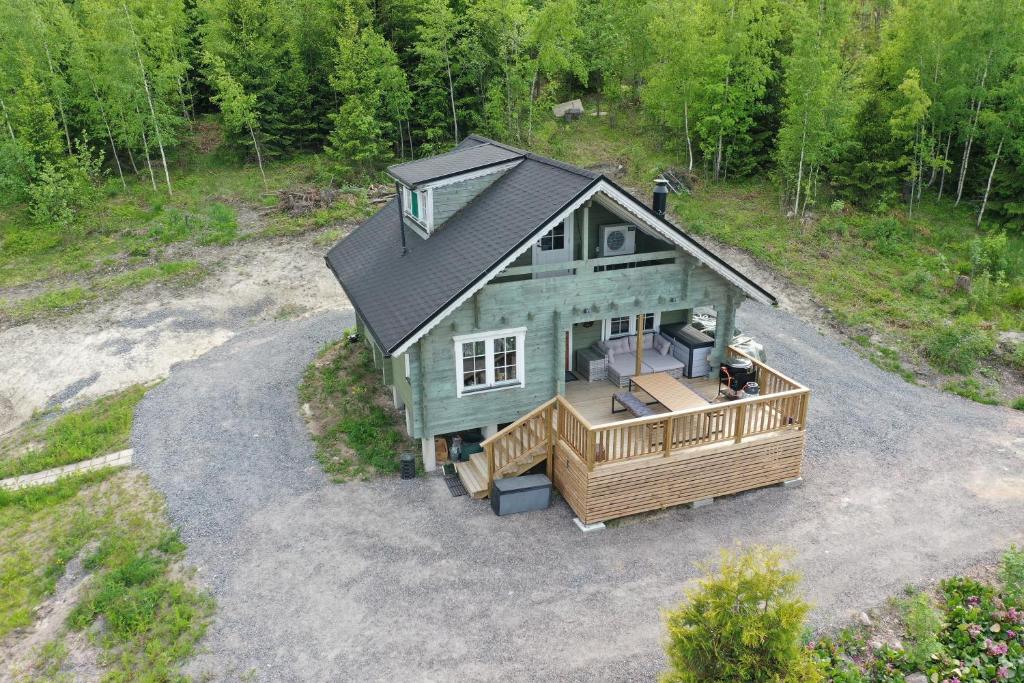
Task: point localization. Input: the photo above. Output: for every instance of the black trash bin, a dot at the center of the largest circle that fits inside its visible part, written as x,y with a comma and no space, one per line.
408,465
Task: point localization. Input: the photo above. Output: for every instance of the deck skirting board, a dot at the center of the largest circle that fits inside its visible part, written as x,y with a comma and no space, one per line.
652,483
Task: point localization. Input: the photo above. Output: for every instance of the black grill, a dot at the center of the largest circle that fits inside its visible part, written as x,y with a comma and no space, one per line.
736,372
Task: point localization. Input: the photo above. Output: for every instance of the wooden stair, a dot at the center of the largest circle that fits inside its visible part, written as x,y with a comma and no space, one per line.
473,472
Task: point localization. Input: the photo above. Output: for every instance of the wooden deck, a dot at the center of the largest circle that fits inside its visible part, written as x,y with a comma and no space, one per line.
609,465
593,400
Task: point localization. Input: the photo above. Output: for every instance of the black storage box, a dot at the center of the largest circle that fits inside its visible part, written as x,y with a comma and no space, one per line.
520,494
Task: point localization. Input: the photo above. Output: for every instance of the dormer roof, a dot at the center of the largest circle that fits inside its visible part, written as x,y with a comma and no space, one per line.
473,154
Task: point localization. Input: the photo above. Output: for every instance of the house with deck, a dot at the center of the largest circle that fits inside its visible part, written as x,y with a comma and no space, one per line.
538,314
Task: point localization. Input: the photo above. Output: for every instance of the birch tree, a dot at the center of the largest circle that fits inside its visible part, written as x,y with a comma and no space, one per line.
437,36
237,108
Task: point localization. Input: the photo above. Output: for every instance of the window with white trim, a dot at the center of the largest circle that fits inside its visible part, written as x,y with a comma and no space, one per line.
625,325
554,240
489,361
416,204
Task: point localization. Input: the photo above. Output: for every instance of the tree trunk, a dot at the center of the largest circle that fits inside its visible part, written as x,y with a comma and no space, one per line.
970,135
451,96
7,120
131,159
988,187
259,157
689,143
149,100
920,166
945,162
800,168
145,147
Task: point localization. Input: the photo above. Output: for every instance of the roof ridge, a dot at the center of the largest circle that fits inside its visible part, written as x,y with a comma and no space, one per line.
565,166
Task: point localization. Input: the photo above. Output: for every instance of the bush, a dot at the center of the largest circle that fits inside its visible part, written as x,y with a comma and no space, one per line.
59,189
743,623
958,348
1018,403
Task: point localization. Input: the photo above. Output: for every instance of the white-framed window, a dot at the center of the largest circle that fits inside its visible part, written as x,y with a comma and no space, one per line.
625,325
417,204
554,240
492,360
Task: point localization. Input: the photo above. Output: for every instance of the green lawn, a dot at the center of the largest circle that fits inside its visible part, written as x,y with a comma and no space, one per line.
151,615
877,273
96,429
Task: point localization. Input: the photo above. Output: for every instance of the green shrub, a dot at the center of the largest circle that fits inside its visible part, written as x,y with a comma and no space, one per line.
59,189
958,348
1011,572
973,390
743,623
1018,403
924,624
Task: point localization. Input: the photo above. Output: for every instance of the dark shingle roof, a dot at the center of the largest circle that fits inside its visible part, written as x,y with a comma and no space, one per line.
464,158
397,294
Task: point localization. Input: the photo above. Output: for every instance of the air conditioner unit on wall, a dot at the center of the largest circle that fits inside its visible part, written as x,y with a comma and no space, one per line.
618,240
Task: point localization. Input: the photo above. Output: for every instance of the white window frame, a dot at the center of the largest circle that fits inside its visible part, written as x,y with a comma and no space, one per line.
425,200
488,338
607,326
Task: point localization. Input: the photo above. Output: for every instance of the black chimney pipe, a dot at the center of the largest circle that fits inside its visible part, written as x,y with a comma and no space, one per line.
660,196
401,215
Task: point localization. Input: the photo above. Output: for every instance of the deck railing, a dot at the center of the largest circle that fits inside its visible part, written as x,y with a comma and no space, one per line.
781,406
518,440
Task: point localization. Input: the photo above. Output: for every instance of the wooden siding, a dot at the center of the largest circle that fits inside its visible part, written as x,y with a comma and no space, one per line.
656,482
450,198
547,308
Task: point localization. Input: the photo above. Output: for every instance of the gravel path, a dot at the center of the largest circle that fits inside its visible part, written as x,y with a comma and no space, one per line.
392,580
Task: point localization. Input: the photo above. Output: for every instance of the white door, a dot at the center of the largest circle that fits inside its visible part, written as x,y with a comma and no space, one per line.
554,247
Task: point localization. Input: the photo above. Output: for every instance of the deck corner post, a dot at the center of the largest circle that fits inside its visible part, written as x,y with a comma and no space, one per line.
551,442
741,418
490,465
591,447
668,434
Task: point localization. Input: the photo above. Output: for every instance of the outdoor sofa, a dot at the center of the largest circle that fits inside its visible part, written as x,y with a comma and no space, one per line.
620,354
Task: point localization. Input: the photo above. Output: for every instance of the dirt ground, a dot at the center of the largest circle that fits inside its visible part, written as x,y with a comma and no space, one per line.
139,337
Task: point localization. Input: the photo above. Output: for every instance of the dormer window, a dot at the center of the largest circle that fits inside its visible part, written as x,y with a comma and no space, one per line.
418,206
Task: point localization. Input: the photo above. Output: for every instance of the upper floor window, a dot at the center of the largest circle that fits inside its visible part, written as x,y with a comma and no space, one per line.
489,361
417,205
554,240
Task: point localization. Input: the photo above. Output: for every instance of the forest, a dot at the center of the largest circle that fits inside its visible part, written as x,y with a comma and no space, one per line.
863,101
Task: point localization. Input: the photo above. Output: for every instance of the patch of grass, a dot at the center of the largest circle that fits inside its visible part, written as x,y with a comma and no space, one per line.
973,390
57,301
97,429
958,348
169,272
356,432
72,299
1018,403
151,617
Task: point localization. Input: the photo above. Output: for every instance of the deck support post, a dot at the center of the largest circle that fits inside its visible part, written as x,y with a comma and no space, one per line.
639,344
429,454
550,419
667,435
741,418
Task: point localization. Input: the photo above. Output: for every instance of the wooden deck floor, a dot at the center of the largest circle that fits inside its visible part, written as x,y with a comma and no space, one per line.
593,400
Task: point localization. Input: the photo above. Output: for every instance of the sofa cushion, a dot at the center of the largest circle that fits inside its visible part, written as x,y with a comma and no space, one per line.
656,362
662,345
624,364
648,340
620,345
631,340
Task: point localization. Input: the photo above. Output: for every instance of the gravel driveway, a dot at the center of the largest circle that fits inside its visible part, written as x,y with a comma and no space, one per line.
397,581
